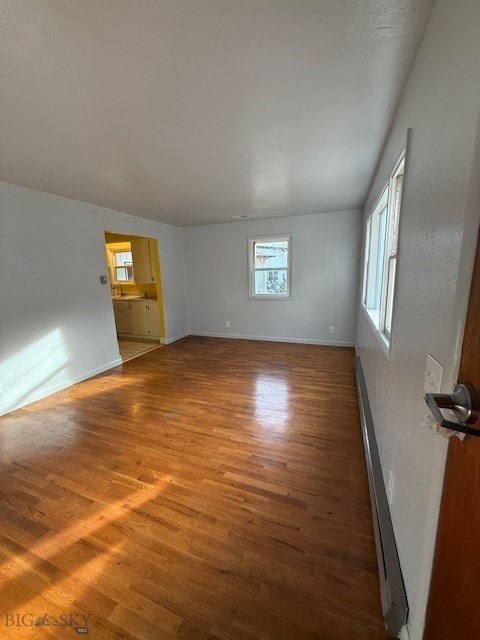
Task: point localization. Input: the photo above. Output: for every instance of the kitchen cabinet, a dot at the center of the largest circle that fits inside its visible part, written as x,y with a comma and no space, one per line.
143,257
153,318
138,318
123,320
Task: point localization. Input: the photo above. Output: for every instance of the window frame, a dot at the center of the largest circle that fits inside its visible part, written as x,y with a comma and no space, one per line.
124,266
252,240
382,318
397,181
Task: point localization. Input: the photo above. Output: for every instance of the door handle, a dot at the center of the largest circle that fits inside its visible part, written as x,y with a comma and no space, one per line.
463,402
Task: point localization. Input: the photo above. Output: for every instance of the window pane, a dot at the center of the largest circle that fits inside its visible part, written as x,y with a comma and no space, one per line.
382,228
123,258
271,282
372,273
271,254
366,261
375,254
398,185
124,273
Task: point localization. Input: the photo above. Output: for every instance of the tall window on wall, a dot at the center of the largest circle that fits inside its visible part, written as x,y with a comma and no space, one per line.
381,240
269,267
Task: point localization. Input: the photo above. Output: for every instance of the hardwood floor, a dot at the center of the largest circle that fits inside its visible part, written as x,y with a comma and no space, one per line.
212,490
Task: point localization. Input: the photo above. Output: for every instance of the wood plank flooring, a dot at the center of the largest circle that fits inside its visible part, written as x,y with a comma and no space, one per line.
211,490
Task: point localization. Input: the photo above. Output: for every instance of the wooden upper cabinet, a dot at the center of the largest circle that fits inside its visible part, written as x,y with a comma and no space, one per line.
143,260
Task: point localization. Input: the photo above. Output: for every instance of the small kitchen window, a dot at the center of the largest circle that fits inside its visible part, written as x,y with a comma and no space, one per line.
269,267
123,266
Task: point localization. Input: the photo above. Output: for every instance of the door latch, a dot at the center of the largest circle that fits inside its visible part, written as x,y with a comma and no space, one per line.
463,403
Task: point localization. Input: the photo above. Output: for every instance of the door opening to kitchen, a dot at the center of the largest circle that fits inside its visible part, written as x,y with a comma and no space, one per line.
136,286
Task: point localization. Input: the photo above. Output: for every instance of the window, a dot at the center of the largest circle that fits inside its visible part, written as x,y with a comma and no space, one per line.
123,266
375,254
381,240
269,265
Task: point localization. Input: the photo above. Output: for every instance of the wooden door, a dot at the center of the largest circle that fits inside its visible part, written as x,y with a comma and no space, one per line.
454,605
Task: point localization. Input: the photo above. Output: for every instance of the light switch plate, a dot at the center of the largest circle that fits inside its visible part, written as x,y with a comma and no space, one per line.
433,375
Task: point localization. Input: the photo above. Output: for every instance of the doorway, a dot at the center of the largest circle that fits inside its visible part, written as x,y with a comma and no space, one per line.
136,288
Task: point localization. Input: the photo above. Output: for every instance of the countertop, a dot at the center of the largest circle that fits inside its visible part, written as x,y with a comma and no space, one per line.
130,298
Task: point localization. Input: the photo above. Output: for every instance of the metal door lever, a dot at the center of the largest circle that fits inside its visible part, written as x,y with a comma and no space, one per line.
463,402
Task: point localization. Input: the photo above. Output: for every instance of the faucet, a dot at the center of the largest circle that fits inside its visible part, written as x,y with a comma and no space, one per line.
114,287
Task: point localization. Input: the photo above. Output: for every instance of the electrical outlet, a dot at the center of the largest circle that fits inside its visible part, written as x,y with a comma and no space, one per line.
227,323
391,487
331,329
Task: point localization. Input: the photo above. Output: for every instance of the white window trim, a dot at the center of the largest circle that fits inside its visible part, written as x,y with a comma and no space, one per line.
251,267
377,318
388,255
385,343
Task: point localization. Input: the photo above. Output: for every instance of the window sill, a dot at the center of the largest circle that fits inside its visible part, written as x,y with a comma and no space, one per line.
274,297
374,320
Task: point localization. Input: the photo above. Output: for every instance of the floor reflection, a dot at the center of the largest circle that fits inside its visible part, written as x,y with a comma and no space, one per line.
272,402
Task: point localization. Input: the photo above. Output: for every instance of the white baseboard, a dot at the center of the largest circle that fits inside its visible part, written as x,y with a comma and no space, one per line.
236,336
60,386
175,338
139,338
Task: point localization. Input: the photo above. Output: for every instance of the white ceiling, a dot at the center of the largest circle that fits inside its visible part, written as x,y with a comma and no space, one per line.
194,111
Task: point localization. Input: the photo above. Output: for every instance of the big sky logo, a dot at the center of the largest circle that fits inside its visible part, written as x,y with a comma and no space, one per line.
79,621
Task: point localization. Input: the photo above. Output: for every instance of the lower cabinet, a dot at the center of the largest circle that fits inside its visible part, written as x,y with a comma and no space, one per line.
138,315
123,320
153,318
138,318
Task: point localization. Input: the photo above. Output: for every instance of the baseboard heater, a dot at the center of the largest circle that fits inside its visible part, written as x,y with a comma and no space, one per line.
392,588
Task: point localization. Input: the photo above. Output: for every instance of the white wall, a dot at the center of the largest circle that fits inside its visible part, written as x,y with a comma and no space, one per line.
439,221
56,319
325,249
